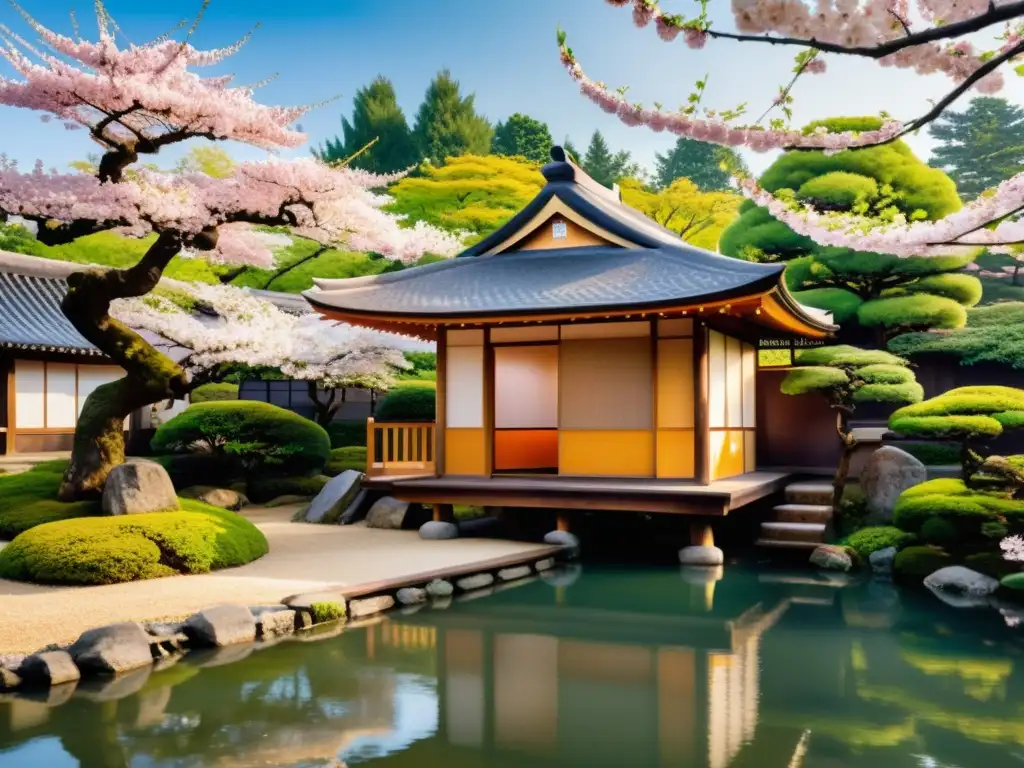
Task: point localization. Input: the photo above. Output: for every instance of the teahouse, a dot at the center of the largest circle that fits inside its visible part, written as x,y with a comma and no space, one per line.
587,357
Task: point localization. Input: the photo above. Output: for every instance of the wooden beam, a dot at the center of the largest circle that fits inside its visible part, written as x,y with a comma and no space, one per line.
706,505
701,436
488,420
440,409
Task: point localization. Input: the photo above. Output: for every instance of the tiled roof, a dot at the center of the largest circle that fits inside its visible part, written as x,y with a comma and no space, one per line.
30,315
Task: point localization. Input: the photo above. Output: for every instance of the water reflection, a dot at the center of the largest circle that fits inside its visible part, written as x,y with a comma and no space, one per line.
702,669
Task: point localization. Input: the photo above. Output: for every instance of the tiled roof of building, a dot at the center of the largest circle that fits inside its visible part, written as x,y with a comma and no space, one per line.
31,318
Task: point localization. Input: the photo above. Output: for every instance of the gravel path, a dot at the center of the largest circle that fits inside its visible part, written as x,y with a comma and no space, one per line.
302,558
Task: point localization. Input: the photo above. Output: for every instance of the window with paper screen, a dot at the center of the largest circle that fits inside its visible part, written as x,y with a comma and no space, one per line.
526,408
49,396
732,375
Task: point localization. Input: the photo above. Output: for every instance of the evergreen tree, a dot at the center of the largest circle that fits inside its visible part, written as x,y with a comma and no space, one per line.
522,135
706,165
375,115
981,146
604,166
571,152
447,124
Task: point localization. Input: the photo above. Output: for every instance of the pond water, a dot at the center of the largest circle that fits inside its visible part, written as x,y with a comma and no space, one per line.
628,667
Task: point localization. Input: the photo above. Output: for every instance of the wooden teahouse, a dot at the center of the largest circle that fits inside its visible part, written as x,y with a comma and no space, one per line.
587,358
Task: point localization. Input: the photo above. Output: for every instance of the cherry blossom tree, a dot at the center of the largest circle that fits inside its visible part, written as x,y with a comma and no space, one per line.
133,100
210,327
926,36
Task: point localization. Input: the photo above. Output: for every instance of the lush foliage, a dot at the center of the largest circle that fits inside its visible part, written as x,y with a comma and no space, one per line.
966,509
108,550
707,166
409,401
262,438
347,432
981,146
214,391
933,453
471,193
341,459
377,118
28,499
604,166
523,136
962,413
697,217
447,124
916,563
871,539
994,334
327,611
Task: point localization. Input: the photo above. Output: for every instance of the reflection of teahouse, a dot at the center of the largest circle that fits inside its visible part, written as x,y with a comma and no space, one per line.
582,340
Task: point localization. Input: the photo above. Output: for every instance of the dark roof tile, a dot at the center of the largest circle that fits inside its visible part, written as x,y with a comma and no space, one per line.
31,317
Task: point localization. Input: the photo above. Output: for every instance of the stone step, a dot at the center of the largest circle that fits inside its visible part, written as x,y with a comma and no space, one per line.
788,544
810,532
809,492
809,600
803,513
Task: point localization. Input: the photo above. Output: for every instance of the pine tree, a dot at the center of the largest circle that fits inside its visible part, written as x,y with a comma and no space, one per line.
706,165
447,124
522,135
606,167
375,115
981,146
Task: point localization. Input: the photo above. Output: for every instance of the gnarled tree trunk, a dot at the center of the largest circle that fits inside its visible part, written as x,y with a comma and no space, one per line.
843,470
325,408
150,375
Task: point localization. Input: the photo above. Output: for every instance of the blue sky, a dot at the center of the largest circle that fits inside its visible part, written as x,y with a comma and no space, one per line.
502,50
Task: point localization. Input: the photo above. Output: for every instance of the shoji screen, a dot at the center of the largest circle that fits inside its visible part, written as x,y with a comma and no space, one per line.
526,407
675,390
731,405
464,403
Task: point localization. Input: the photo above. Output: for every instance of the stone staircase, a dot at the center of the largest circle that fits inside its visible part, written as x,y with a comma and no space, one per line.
803,521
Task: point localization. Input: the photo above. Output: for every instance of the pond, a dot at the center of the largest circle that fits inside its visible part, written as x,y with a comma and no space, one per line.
589,668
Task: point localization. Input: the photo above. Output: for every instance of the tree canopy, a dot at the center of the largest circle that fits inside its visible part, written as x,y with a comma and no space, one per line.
604,166
981,146
993,334
524,136
707,166
697,217
447,124
376,117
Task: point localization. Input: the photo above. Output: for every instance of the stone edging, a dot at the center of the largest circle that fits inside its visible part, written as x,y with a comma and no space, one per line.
127,647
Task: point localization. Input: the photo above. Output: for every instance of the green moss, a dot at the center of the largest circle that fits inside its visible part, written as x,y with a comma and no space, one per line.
327,611
898,394
919,562
990,563
409,401
962,413
341,459
261,489
213,392
346,432
261,437
871,539
28,499
108,550
886,373
965,508
801,380
939,532
844,354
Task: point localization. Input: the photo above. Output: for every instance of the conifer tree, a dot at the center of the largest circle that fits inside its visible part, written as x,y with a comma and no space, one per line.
604,166
523,135
447,124
706,165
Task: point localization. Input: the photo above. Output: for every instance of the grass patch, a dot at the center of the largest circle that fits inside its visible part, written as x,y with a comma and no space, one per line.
28,499
108,550
342,459
327,611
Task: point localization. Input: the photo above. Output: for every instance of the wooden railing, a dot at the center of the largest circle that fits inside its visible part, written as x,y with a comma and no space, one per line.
399,448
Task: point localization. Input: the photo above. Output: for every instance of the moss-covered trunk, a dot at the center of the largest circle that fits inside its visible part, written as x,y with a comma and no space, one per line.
149,375
843,470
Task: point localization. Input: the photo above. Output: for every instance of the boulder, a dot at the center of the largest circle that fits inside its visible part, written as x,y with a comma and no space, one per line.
831,558
222,625
370,606
439,588
334,498
411,596
888,473
9,680
700,555
216,497
356,510
49,668
959,580
435,530
882,559
569,543
544,565
477,581
387,513
516,572
112,649
274,621
138,487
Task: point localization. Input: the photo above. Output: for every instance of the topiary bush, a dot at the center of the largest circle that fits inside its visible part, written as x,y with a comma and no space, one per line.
262,489
871,539
109,550
214,392
410,401
346,432
260,437
28,499
994,334
968,510
935,454
919,562
190,469
342,459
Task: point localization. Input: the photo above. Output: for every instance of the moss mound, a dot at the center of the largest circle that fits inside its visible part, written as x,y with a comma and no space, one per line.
208,393
920,562
409,401
964,508
871,539
109,550
263,489
28,499
341,459
1014,581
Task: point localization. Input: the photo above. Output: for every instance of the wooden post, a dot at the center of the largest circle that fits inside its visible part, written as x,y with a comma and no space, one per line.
701,436
440,408
701,534
444,513
371,447
10,405
562,522
488,415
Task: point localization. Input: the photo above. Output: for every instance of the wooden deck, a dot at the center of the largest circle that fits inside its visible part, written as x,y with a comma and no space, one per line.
633,495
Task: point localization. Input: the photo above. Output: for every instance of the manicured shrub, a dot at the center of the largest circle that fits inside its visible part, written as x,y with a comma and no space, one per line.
28,499
327,611
190,469
967,509
918,311
919,562
842,304
108,550
939,532
994,334
341,459
868,540
410,401
346,432
260,437
261,489
212,392
932,453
